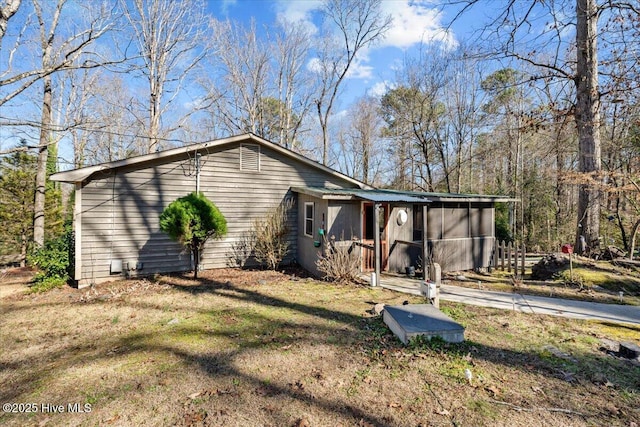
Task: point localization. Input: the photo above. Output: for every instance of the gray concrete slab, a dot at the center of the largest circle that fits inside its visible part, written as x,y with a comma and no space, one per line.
412,320
525,303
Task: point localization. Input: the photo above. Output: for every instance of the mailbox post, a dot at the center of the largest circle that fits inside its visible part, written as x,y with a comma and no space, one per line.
568,249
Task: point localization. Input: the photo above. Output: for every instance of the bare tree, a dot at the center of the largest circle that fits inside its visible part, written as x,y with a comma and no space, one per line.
547,49
168,34
463,100
587,114
416,108
76,51
260,85
294,88
54,59
98,108
359,24
242,85
6,12
365,133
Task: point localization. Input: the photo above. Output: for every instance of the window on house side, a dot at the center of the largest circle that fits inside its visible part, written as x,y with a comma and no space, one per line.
308,219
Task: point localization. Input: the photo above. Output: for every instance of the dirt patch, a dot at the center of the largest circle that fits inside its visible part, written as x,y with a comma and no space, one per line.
256,348
14,281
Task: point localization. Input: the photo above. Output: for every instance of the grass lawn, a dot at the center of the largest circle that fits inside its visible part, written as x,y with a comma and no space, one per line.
245,348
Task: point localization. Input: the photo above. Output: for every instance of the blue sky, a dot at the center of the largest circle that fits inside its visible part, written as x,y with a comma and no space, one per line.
414,21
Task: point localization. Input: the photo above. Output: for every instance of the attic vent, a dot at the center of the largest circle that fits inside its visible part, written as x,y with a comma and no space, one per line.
250,157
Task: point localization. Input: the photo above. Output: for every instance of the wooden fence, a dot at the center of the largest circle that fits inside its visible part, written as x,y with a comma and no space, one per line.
508,256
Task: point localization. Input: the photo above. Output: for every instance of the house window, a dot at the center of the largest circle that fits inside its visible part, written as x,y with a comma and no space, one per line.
308,219
250,157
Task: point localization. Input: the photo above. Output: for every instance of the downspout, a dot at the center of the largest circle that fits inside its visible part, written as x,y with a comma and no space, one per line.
77,228
425,245
198,155
376,241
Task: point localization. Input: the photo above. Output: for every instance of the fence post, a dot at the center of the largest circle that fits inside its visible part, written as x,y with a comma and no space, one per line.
502,255
509,256
492,257
524,253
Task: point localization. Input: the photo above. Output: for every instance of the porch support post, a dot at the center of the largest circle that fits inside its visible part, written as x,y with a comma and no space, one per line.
376,241
425,244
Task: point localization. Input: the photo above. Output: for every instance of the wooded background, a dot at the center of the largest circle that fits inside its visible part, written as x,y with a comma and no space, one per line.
542,104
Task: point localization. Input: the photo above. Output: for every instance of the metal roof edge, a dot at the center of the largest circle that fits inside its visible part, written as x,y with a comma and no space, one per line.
451,197
415,196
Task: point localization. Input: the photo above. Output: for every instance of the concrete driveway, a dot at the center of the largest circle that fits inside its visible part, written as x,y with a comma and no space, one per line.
543,305
527,303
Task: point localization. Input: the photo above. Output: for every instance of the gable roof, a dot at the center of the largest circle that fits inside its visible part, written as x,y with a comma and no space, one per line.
82,174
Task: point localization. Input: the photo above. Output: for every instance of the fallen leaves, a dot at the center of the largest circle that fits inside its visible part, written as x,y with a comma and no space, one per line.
302,422
493,390
209,393
317,374
194,417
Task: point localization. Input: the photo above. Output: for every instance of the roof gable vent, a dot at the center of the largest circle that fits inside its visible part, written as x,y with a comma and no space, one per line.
250,157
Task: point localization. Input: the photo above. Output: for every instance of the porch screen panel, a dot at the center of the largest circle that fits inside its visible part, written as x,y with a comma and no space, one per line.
456,221
481,218
434,222
344,221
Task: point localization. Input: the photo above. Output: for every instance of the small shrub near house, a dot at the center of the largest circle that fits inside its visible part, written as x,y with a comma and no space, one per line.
340,262
54,262
270,236
192,220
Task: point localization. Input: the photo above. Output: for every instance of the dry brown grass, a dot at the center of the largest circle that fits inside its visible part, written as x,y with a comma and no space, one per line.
243,348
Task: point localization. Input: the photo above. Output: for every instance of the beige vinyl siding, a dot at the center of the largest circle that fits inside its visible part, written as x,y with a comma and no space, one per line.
307,252
120,208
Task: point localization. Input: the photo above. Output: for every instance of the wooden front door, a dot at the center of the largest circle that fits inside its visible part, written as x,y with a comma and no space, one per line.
368,230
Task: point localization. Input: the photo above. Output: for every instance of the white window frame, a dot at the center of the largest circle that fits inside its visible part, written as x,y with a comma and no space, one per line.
307,218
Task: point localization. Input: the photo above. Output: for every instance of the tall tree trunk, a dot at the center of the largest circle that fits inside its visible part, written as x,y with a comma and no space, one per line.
23,248
587,115
154,119
43,153
634,234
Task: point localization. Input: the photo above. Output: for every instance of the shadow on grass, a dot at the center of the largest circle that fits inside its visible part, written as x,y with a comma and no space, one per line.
370,335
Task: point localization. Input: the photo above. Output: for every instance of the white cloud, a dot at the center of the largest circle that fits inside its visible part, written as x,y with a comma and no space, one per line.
359,68
226,4
380,88
298,11
414,22
314,65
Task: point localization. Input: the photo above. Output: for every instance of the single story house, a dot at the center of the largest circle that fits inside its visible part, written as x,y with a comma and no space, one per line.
118,204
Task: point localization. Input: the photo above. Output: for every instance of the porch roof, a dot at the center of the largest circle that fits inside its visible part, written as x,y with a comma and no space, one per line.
373,195
397,196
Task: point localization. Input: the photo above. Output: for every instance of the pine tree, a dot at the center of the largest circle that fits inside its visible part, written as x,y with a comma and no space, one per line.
17,189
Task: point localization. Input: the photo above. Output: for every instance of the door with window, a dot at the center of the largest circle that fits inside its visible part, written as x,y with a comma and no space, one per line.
368,230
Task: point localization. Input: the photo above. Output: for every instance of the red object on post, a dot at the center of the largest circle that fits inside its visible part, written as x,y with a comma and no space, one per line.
567,249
